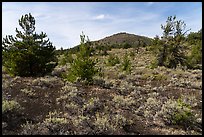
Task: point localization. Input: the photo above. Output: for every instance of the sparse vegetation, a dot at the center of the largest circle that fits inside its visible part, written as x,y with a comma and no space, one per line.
65,58
28,92
177,113
125,92
126,64
113,60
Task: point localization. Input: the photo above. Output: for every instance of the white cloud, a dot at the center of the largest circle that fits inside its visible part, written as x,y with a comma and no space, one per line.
150,3
100,17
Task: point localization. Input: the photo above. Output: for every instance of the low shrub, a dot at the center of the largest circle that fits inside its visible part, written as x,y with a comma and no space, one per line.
177,113
113,60
126,64
10,106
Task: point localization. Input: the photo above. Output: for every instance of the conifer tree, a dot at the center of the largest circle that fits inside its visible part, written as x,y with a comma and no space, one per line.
171,52
83,67
28,53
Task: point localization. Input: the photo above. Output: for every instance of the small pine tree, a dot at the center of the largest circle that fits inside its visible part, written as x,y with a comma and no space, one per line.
29,53
113,60
126,64
83,67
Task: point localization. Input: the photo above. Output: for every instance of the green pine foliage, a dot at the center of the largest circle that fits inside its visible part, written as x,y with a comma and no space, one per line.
113,60
183,115
170,51
194,37
29,53
66,58
194,60
83,67
126,64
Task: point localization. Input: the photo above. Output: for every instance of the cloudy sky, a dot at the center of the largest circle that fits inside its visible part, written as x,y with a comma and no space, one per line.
64,21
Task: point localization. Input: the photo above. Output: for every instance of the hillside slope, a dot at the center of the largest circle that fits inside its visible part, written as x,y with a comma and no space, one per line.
122,38
117,41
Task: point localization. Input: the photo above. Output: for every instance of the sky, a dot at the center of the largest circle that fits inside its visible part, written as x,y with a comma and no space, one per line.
63,22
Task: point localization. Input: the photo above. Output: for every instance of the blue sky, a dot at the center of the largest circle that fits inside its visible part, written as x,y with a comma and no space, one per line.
64,21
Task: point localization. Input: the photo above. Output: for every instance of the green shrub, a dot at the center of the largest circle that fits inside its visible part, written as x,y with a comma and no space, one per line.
159,77
194,37
83,67
154,64
69,76
66,58
102,49
113,60
126,46
183,115
126,64
194,61
28,54
177,113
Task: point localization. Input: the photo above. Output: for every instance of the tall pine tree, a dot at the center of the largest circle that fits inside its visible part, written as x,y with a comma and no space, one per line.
171,50
29,53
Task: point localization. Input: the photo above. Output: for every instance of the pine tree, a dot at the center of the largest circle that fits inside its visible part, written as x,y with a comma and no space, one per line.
194,60
29,53
171,50
126,64
83,67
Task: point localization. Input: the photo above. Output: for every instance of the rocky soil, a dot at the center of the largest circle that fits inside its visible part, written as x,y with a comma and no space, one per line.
147,101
